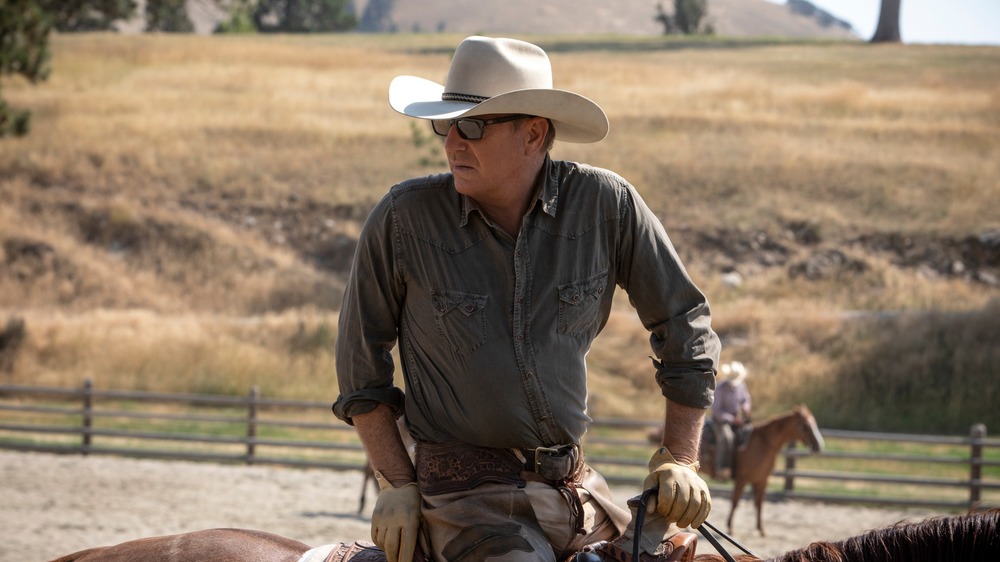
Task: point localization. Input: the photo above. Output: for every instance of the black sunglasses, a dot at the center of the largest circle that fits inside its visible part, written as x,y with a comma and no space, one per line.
470,128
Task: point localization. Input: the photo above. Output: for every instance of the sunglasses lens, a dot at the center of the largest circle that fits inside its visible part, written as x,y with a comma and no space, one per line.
469,129
441,126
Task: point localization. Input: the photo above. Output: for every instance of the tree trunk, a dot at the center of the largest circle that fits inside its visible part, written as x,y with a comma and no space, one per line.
888,23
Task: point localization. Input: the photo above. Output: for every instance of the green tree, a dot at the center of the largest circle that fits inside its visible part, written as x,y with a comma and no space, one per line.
25,26
168,15
240,18
24,50
87,15
687,17
304,16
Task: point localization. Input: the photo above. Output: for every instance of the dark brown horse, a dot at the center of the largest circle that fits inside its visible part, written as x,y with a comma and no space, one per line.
958,538
961,538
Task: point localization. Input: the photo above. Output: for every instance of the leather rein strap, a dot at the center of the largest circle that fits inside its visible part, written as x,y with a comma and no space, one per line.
641,515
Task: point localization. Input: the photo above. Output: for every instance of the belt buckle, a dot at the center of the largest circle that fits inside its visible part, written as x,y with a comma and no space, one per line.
552,451
555,463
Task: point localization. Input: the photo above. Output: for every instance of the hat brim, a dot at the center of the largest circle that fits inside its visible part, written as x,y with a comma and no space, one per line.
576,118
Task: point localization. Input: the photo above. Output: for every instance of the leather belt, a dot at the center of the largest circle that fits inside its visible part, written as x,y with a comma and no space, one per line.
555,463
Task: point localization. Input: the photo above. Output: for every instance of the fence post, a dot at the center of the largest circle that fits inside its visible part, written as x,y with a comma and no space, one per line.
88,415
789,468
252,423
976,436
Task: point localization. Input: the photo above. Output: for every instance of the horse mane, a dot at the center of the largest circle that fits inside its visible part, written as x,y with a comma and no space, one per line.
957,538
796,410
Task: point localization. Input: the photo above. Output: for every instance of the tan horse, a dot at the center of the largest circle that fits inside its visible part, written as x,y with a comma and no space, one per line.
755,462
959,538
243,545
210,545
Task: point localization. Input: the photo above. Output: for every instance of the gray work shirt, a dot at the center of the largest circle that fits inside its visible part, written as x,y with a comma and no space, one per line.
493,331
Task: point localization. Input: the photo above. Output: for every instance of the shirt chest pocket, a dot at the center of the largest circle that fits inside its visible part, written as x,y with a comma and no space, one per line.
460,319
580,306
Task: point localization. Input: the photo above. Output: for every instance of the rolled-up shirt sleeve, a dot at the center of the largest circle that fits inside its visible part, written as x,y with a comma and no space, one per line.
670,306
365,400
365,339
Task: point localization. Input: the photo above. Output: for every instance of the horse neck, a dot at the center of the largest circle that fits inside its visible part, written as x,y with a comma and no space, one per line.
781,429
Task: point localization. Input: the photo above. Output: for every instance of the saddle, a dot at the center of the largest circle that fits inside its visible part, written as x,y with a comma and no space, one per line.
709,449
357,551
741,437
678,548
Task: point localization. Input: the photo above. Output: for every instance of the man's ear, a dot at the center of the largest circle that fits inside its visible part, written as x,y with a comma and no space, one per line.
537,130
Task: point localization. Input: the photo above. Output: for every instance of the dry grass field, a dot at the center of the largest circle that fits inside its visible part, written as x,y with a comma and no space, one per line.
183,213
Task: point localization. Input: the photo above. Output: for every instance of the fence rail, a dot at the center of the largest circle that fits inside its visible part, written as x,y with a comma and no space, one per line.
255,430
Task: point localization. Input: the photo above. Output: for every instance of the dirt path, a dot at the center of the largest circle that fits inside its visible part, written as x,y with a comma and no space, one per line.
51,505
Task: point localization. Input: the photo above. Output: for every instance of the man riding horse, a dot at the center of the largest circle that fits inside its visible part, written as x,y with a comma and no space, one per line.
730,413
494,280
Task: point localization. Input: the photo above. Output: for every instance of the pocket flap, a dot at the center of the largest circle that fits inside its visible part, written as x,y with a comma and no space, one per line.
467,303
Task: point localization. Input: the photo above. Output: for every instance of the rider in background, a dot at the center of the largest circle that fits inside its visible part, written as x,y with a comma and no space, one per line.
730,412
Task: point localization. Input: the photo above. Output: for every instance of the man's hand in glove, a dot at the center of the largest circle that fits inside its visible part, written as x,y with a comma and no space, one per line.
396,520
683,496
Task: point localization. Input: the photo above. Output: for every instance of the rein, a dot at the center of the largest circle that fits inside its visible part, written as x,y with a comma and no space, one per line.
640,516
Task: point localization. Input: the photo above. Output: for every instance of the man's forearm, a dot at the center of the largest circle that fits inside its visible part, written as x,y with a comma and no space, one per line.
386,452
682,431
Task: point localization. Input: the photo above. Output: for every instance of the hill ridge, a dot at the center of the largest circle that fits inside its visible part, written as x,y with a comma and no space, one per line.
731,18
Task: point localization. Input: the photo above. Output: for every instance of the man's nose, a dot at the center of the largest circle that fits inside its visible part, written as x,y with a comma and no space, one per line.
453,140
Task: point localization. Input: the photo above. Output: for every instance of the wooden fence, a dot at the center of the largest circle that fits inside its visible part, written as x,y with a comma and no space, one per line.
257,430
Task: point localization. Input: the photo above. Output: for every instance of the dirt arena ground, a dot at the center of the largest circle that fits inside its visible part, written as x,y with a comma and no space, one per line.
51,505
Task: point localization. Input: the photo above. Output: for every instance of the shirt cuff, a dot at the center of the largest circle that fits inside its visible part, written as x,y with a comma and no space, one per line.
366,400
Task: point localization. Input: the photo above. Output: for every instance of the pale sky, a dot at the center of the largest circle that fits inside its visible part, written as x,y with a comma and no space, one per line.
925,21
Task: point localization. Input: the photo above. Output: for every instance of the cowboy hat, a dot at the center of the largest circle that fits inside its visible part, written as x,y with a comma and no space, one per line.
733,372
500,76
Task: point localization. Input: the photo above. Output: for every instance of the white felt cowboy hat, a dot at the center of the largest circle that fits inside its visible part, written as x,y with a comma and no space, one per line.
734,372
500,76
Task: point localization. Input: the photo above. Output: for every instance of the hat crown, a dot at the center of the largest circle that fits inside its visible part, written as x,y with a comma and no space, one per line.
733,372
485,67
499,76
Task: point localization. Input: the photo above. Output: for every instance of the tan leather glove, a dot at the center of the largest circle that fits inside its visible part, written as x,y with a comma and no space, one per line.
683,496
396,520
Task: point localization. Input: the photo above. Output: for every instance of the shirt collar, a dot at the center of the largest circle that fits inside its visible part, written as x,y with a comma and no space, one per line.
548,193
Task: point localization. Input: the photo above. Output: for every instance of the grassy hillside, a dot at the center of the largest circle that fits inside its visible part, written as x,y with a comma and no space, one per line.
729,18
183,214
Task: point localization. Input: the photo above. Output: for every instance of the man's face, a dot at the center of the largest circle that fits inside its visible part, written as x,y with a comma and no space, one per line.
482,167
